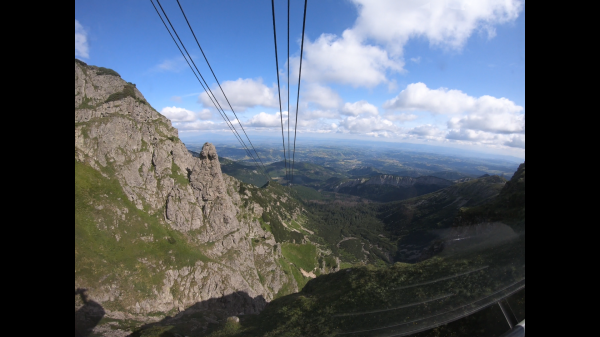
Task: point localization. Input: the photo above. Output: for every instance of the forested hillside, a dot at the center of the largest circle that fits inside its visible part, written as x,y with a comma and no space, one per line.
372,301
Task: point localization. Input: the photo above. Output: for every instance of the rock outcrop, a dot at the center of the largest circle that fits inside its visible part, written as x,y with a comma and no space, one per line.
118,134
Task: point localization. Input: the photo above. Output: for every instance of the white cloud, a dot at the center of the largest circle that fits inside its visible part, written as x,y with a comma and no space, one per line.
176,99
315,114
446,23
205,114
492,118
517,141
176,114
367,124
470,135
323,96
416,60
81,44
485,113
486,138
403,117
358,108
345,60
264,119
353,59
201,125
427,131
243,94
417,97
307,124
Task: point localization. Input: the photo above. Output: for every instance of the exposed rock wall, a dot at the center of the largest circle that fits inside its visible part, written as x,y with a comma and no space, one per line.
129,140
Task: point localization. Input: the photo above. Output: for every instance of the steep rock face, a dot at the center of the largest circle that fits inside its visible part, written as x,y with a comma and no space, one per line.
119,135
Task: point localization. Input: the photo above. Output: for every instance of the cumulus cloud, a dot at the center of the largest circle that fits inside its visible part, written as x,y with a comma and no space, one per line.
427,131
81,43
470,135
205,114
367,124
485,113
323,96
444,23
417,97
264,119
201,125
346,60
499,122
315,114
403,117
517,141
493,140
353,59
358,108
176,114
243,94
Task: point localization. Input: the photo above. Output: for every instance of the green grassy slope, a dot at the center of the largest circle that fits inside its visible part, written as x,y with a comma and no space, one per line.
438,209
387,193
246,173
116,242
509,206
372,233
304,173
404,298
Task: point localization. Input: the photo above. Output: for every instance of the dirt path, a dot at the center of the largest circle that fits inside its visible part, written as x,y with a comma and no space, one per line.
346,239
308,274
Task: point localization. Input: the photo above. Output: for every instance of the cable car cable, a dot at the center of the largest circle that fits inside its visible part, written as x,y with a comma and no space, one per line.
186,60
278,87
207,86
298,97
288,76
229,124
215,76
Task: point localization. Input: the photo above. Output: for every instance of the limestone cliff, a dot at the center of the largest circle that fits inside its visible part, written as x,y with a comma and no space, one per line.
156,229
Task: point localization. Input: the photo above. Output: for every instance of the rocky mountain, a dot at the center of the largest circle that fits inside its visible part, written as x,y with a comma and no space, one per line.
158,230
363,171
167,243
386,187
472,272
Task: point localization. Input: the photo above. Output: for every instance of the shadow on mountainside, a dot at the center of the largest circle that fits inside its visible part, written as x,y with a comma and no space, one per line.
88,316
203,317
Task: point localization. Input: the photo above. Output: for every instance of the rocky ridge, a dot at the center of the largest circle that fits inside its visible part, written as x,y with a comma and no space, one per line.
119,135
391,180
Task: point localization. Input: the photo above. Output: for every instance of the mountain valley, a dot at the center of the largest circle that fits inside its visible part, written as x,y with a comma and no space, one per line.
176,239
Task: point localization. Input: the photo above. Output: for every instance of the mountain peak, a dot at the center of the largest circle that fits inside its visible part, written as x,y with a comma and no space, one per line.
177,215
209,151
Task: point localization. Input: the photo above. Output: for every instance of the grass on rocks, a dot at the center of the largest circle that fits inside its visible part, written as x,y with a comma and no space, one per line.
303,256
115,241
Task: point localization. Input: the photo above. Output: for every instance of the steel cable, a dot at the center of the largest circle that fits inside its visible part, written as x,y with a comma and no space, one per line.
288,82
223,92
278,87
298,97
224,116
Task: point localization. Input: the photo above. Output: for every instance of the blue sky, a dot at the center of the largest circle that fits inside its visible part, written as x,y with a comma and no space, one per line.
440,72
